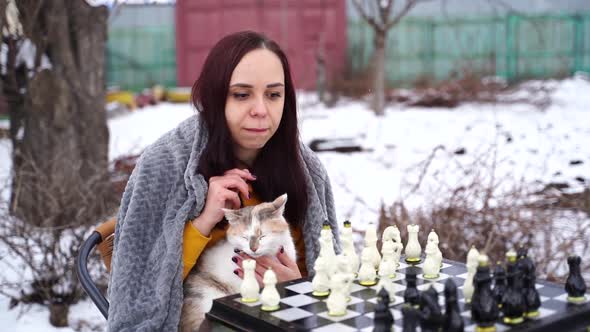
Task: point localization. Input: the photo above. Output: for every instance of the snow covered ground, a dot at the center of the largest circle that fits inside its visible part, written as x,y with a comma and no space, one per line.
530,145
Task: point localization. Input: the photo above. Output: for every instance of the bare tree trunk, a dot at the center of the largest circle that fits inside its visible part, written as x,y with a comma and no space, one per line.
60,176
379,74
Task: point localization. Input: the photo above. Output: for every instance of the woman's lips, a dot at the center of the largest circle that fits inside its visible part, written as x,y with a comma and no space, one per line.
256,130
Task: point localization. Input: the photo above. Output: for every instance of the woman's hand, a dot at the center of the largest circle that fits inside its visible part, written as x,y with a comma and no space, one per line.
223,193
284,267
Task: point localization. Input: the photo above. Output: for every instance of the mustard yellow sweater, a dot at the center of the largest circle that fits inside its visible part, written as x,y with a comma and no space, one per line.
194,242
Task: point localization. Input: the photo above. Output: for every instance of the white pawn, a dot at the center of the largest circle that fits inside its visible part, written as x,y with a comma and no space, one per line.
431,266
397,252
345,268
472,257
337,300
433,237
388,265
371,244
249,288
367,274
270,296
321,280
413,248
389,286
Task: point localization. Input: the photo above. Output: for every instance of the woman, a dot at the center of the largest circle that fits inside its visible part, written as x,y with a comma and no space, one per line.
242,147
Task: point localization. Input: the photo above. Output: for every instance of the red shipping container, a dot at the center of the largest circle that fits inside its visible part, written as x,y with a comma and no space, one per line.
303,29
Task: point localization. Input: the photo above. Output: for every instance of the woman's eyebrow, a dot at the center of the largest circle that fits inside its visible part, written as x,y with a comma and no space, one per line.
244,85
241,85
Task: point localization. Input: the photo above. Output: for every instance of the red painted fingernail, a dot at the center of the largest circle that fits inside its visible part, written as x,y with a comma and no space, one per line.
234,259
236,272
282,250
237,251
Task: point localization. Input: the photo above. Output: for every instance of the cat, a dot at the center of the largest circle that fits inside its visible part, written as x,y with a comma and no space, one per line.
258,230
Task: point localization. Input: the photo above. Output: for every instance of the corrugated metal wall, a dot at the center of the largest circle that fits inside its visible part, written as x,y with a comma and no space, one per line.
298,26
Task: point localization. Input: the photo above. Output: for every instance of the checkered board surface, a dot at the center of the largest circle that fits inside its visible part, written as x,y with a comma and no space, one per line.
301,311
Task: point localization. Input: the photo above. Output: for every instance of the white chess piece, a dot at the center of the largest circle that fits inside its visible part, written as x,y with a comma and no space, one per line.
367,274
270,297
345,268
371,244
348,248
413,248
321,280
433,237
397,252
249,288
389,286
336,302
388,265
431,265
472,257
391,233
327,248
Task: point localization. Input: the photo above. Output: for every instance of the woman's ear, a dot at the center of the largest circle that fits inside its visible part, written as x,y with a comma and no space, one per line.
232,216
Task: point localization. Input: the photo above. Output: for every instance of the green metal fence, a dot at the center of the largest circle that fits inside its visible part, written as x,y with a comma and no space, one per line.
514,47
139,57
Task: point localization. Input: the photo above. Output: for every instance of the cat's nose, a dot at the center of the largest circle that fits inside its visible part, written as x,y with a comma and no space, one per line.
253,249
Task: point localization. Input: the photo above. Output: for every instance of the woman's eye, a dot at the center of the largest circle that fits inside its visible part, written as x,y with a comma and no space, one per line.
240,96
245,237
274,95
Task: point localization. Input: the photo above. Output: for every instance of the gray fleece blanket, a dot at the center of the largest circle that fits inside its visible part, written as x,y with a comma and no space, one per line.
164,191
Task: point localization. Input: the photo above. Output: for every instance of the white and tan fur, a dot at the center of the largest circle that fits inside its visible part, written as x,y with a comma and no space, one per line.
258,230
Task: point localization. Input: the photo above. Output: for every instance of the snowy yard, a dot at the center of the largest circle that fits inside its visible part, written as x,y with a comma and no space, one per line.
530,146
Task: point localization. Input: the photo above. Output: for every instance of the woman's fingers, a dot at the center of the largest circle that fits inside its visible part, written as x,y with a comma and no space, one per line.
229,182
243,173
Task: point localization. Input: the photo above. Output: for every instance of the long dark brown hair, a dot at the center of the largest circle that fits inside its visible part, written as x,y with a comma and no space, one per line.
279,165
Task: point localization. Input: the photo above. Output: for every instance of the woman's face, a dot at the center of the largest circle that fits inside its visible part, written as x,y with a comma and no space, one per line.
254,104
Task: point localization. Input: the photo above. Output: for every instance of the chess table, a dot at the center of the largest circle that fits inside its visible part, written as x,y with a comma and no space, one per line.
301,311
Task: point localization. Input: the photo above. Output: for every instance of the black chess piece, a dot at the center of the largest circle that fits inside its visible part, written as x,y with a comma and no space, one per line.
411,317
431,317
383,319
499,283
532,300
453,322
411,294
513,305
574,284
484,308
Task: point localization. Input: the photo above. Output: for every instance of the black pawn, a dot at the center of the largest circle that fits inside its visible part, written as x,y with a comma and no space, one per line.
431,317
499,283
532,300
574,284
484,308
411,317
513,305
383,320
453,322
411,294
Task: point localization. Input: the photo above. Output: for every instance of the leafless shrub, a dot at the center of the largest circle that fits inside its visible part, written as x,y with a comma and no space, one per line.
469,87
494,214
40,263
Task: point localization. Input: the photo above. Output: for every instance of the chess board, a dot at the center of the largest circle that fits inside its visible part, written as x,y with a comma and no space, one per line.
301,311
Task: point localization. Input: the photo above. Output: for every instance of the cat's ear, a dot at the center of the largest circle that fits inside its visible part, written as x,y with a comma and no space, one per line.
232,216
279,204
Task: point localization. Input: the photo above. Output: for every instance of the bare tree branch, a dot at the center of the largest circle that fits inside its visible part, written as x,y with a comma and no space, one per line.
408,6
368,18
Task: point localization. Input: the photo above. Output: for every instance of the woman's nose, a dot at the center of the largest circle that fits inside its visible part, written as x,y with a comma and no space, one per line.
259,108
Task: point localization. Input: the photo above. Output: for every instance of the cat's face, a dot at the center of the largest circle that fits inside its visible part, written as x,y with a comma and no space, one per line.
258,230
